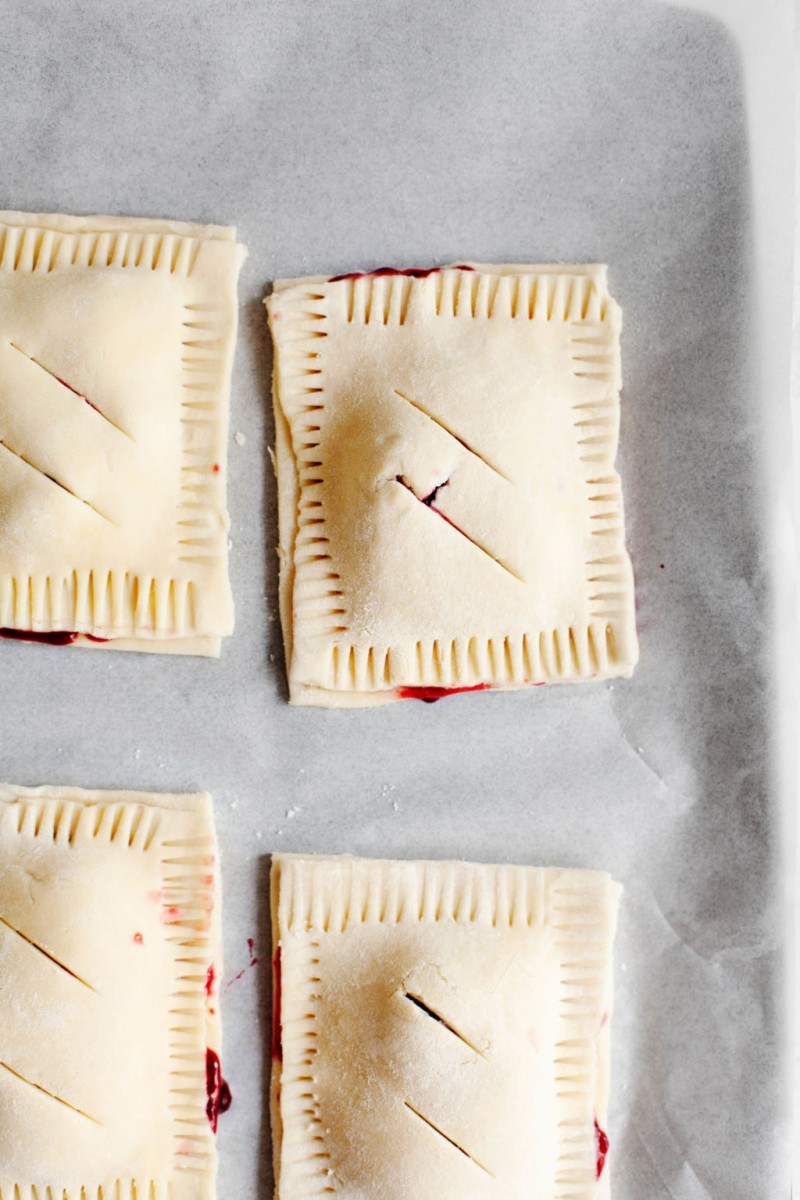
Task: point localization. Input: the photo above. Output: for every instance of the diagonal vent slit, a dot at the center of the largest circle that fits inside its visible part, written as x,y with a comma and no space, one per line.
431,1012
52,1095
63,486
437,421
448,1139
46,954
427,502
70,388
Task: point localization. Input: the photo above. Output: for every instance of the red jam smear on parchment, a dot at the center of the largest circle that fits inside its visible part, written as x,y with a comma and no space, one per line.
217,1090
409,272
601,1147
251,950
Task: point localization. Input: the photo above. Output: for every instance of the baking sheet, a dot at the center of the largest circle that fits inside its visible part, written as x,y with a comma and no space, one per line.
347,135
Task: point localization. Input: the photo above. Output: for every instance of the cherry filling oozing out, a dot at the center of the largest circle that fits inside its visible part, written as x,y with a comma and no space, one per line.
217,1090
409,272
277,1031
55,637
426,500
601,1147
431,694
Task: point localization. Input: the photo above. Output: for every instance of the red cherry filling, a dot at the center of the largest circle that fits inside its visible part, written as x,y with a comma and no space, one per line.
217,1090
210,981
601,1147
253,963
86,399
54,637
431,694
431,496
409,272
277,1031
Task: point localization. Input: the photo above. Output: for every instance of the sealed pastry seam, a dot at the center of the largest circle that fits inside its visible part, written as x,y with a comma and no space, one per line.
450,515
440,1029
116,346
109,934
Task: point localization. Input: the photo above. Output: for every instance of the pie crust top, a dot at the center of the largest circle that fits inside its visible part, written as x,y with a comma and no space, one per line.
450,515
109,926
116,345
441,1030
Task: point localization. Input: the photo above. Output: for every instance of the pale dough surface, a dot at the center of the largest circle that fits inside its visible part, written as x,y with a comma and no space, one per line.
443,1029
450,515
116,344
109,922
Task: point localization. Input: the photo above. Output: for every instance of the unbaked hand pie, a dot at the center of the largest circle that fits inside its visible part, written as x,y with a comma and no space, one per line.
110,1083
450,516
441,1030
116,344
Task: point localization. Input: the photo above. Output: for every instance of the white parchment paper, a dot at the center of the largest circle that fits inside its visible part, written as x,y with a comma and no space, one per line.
344,135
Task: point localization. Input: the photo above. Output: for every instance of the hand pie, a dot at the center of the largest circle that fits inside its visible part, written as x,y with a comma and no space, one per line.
109,1028
116,344
441,1030
450,516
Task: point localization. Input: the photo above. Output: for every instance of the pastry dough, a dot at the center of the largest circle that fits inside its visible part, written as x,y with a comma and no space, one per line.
116,344
441,1030
450,516
109,1035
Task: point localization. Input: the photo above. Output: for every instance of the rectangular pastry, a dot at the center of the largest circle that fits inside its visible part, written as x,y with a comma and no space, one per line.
116,345
450,515
109,1027
441,1029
